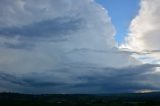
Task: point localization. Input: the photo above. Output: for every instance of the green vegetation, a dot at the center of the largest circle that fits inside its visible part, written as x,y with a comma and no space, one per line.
13,99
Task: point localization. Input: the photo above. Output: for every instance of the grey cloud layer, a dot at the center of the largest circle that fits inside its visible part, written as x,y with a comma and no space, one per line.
107,80
43,29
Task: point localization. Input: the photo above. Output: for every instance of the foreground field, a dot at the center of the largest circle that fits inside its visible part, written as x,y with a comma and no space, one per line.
13,99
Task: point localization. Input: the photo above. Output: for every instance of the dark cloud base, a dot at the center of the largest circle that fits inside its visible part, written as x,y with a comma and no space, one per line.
129,79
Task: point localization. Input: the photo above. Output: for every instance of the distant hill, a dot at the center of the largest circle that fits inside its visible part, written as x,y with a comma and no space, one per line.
127,99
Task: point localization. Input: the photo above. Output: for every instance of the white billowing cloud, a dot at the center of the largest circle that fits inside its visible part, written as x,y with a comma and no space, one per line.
144,32
61,43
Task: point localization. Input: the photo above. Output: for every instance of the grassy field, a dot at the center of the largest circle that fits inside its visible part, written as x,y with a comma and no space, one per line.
14,99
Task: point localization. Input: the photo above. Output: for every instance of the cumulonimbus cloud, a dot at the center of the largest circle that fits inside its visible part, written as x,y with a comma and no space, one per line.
59,46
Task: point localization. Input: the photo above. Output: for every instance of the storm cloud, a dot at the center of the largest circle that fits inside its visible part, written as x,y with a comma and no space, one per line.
59,46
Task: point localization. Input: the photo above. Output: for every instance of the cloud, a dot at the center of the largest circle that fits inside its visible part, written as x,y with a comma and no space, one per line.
145,29
105,80
52,45
43,29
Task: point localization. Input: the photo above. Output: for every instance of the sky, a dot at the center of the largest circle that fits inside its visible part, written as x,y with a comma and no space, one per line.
121,13
69,46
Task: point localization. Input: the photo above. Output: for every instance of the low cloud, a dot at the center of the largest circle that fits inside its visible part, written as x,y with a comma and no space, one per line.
94,80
